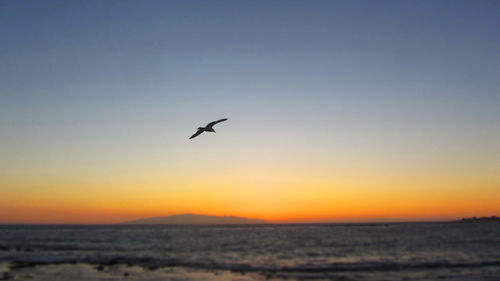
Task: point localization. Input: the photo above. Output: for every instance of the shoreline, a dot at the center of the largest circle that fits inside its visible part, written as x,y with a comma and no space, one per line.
86,271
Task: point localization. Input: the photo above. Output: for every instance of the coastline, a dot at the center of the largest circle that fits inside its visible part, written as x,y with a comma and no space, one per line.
85,271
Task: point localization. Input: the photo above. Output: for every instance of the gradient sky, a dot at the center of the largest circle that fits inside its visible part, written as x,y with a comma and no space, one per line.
346,110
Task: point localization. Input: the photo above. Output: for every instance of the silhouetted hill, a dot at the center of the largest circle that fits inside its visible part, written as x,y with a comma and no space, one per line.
481,219
196,219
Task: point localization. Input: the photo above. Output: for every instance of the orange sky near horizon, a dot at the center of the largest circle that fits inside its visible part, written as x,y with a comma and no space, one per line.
277,195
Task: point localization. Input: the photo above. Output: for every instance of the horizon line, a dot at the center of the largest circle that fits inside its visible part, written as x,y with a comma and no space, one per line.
267,221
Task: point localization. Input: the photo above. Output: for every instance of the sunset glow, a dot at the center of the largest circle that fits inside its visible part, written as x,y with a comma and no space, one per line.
326,121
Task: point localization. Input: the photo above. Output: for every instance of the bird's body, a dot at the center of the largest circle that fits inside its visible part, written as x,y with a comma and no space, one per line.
207,128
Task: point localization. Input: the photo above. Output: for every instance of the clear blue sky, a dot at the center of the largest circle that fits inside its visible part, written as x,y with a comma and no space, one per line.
95,87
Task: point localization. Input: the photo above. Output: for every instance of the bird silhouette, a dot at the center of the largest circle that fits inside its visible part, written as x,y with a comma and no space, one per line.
207,128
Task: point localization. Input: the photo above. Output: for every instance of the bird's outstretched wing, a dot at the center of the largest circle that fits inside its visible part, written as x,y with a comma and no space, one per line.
211,124
197,133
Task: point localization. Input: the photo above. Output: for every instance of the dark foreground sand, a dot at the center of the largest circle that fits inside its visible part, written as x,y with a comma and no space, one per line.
81,271
84,272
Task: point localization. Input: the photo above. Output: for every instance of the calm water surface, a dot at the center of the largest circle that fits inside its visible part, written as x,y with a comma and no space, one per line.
409,251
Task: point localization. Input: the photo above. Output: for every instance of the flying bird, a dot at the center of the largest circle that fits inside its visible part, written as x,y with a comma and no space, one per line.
207,128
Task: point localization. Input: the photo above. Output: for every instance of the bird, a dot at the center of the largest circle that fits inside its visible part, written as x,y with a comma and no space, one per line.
207,128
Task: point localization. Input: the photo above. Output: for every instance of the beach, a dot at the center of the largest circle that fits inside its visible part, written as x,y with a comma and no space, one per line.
396,251
81,271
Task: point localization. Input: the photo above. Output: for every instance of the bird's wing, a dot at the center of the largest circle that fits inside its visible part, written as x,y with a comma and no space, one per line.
211,124
197,133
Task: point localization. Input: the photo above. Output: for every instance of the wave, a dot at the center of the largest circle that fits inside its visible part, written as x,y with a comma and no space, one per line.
23,259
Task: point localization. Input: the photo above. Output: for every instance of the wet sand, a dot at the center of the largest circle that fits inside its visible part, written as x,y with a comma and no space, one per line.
83,272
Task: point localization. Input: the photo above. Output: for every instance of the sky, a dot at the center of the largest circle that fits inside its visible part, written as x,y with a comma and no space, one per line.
338,110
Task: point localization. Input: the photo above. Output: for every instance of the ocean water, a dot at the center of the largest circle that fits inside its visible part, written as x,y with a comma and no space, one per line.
403,251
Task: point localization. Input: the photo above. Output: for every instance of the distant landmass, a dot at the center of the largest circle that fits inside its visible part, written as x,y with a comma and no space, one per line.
481,219
196,219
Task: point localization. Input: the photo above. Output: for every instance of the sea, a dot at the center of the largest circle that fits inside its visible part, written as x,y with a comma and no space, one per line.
379,251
